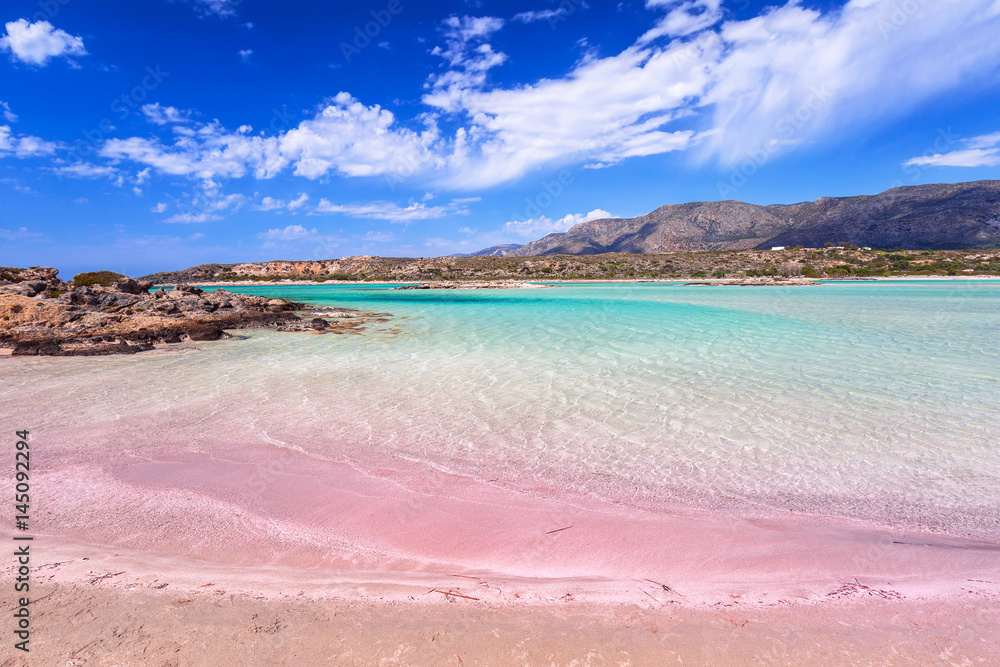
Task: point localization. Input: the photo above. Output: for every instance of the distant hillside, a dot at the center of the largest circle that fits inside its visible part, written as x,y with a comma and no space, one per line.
494,251
919,217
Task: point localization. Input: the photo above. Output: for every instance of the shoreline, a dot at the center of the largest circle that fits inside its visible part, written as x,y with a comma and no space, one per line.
841,591
678,281
333,527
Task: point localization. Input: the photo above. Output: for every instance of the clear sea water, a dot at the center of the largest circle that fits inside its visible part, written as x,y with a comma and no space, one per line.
877,401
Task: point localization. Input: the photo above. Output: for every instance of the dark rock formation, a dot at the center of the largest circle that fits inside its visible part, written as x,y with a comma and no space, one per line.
37,318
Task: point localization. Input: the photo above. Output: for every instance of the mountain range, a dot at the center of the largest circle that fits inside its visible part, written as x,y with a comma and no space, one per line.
947,216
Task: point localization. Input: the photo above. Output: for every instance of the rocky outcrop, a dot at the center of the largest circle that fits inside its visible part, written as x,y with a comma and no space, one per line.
31,282
126,318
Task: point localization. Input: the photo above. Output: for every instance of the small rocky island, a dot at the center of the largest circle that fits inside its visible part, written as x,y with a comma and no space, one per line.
104,313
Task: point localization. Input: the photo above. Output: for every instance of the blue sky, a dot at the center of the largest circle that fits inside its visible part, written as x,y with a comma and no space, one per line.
155,134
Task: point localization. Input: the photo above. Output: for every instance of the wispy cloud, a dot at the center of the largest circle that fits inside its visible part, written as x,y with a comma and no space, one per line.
161,115
539,15
981,151
7,114
19,234
86,170
272,204
393,212
222,8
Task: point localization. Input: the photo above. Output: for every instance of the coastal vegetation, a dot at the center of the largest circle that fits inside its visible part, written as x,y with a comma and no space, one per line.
95,278
833,262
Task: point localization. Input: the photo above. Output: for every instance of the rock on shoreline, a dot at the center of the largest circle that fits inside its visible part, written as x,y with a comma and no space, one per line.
42,315
472,284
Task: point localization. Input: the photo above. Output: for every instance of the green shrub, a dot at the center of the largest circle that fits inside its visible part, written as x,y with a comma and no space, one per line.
810,271
719,273
102,278
699,274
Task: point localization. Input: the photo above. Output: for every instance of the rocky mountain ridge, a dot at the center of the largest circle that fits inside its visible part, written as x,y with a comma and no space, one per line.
922,217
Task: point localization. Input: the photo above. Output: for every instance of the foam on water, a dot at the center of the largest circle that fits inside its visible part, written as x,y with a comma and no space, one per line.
873,401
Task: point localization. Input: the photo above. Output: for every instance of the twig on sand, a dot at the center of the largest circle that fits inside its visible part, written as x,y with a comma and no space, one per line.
464,576
558,530
664,587
458,595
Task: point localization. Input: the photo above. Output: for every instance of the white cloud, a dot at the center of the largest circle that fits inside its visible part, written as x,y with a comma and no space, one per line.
23,145
392,212
37,43
469,57
205,151
190,218
984,141
540,15
269,204
7,114
245,54
727,92
159,208
356,140
86,170
161,115
290,233
535,227
683,18
272,204
981,151
206,208
219,7
299,234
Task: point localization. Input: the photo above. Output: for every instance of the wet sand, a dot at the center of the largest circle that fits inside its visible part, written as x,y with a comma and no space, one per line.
284,559
125,619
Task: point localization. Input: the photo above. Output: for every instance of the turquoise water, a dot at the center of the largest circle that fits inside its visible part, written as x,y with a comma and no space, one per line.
873,401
